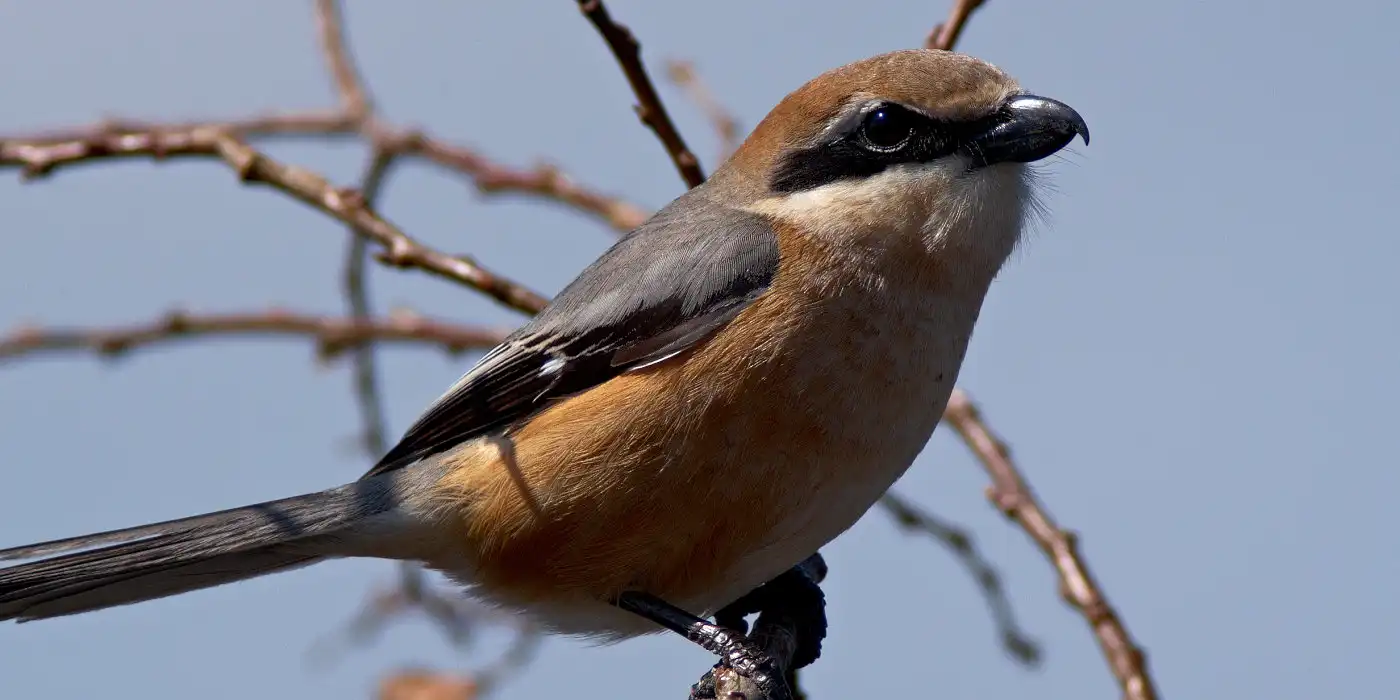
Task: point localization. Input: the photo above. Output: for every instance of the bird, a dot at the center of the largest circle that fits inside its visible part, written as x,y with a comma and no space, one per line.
725,390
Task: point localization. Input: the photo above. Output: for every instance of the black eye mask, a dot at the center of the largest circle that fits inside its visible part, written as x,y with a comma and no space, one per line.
879,135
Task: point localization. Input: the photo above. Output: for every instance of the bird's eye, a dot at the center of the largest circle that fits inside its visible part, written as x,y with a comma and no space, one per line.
887,128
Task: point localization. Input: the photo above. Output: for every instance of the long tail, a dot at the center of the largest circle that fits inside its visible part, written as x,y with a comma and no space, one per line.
178,556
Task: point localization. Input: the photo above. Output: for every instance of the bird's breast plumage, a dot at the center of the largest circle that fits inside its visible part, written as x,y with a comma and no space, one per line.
701,477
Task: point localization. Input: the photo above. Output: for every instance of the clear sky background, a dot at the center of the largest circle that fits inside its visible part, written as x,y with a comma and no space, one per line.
1195,360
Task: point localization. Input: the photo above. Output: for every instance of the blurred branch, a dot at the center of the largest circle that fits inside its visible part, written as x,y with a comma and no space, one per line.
456,616
356,103
349,85
355,285
958,541
418,684
726,127
1013,496
945,36
649,107
333,336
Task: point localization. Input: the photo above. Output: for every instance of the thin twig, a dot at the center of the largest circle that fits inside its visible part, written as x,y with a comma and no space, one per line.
1011,494
958,541
252,166
310,123
544,181
355,100
649,107
726,127
457,616
349,85
355,285
490,177
332,336
945,36
451,613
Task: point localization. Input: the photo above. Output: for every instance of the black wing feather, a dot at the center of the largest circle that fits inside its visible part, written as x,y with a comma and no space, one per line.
667,285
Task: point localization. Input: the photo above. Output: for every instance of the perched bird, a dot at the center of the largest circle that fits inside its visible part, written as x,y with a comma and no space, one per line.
724,391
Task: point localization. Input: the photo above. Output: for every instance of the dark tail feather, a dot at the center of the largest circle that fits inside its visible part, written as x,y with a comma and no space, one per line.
177,556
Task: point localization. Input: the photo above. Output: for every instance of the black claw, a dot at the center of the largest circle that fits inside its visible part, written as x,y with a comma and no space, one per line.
705,689
793,600
733,649
747,660
794,595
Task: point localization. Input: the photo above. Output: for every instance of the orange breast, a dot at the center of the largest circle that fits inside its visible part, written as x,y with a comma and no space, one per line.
786,425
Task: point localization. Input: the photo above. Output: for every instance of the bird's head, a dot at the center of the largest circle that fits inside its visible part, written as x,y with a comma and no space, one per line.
920,143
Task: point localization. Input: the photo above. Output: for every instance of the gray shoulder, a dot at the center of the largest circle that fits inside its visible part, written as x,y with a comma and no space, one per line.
690,257
662,289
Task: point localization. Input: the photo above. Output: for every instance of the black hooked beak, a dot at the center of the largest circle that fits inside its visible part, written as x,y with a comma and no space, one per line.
1025,129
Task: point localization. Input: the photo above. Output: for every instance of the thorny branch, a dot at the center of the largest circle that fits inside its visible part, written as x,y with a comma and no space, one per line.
39,154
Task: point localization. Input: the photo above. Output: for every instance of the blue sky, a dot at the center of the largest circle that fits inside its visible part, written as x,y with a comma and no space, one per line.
1194,358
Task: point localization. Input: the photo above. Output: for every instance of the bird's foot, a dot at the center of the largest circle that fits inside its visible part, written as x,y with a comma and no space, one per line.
744,658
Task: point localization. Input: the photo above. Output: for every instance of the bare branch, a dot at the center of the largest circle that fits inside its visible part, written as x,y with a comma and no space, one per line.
958,541
726,127
649,108
345,204
544,181
332,336
349,86
490,177
317,123
1013,496
355,285
945,36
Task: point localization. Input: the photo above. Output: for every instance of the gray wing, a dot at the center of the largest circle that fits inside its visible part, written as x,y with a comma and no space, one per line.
664,287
